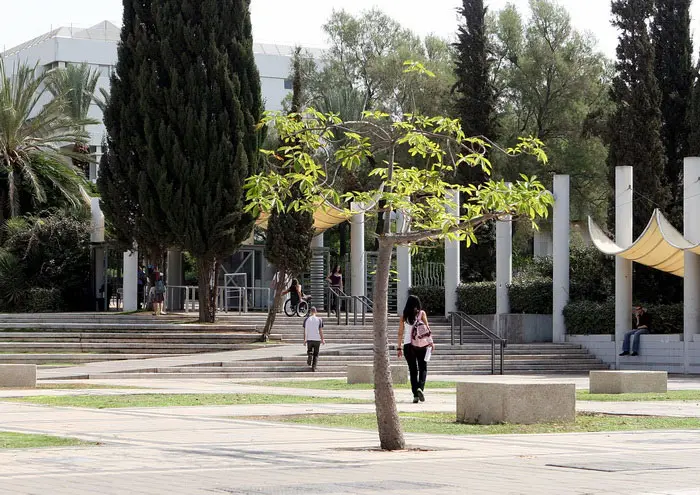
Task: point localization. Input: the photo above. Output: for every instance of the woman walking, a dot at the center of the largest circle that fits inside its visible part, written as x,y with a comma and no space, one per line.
335,280
415,340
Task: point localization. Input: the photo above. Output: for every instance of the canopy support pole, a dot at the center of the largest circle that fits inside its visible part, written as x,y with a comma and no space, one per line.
691,279
623,267
560,280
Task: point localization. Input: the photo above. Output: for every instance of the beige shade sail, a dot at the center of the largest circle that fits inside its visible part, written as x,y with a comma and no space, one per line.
660,246
325,216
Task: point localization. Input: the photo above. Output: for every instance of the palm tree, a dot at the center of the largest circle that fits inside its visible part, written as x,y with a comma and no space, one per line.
32,137
76,84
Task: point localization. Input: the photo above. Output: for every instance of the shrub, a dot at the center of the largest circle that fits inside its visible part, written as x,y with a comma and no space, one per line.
531,295
477,298
40,300
592,317
432,298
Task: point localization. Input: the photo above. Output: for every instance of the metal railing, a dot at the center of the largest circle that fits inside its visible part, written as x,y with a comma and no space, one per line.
366,305
337,296
463,318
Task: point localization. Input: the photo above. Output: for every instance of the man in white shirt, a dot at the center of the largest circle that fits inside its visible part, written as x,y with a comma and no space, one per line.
313,337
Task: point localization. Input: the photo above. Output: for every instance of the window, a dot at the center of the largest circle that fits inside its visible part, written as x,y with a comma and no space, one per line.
288,84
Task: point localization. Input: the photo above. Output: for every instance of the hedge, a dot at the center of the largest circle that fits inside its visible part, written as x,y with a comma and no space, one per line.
590,317
532,296
432,298
41,300
477,298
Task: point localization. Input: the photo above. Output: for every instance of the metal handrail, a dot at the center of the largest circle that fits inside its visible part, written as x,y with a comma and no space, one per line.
495,339
339,297
366,304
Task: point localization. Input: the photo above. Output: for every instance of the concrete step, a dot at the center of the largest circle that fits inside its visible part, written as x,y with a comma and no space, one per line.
117,348
81,358
130,337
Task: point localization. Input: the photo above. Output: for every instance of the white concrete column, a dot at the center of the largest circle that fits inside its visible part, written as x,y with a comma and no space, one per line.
504,267
623,267
560,279
130,280
452,268
174,276
358,280
691,278
403,265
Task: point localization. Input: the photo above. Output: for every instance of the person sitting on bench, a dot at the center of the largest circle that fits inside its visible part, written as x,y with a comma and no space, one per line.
641,323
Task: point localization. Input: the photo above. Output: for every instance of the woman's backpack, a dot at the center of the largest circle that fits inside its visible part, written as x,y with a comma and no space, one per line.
420,333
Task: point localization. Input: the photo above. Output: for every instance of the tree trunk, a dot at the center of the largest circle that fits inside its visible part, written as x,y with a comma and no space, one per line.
272,311
206,272
390,431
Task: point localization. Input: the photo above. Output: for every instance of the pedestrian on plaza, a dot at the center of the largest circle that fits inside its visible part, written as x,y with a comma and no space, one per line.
335,280
415,343
159,293
313,337
641,323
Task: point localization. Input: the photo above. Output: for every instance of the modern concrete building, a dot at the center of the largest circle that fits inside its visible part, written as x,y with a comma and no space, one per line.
97,46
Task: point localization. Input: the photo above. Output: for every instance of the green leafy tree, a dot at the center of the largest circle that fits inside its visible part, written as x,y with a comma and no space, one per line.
635,127
421,194
76,84
289,233
670,35
186,101
32,136
551,82
693,116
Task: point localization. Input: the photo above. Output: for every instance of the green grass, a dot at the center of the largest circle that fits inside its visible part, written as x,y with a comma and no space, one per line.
166,400
689,395
444,423
83,386
334,384
10,440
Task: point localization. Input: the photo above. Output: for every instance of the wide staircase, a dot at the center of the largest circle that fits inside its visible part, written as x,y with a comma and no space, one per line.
61,339
64,339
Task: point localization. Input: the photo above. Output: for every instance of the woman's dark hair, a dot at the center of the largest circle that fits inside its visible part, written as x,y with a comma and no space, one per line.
411,310
295,282
336,269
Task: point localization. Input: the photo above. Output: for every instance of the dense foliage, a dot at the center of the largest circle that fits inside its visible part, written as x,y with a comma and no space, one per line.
182,124
590,318
45,264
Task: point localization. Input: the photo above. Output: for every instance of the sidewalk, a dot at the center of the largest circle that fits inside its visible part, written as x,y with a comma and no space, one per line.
205,450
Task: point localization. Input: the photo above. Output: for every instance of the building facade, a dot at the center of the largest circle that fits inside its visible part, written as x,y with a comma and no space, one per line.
97,46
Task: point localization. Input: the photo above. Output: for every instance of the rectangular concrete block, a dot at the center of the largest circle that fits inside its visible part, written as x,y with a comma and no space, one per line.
17,375
627,382
490,402
364,373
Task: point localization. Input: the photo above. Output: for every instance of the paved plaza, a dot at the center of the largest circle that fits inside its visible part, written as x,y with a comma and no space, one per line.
208,450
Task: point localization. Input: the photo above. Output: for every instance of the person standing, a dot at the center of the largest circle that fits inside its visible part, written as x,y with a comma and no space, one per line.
414,342
313,337
335,280
159,287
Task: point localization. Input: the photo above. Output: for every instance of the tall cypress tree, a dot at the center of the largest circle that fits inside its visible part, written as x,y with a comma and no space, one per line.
693,117
475,100
635,126
674,73
122,166
475,105
188,72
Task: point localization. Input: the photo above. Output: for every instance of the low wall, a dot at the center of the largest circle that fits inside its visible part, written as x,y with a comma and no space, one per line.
519,328
663,352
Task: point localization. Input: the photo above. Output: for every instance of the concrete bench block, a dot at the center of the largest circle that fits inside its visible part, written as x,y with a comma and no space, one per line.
364,373
627,381
491,402
18,375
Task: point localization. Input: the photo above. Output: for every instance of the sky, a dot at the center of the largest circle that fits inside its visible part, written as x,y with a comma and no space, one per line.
298,21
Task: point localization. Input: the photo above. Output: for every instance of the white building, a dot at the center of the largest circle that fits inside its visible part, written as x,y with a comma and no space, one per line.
97,46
